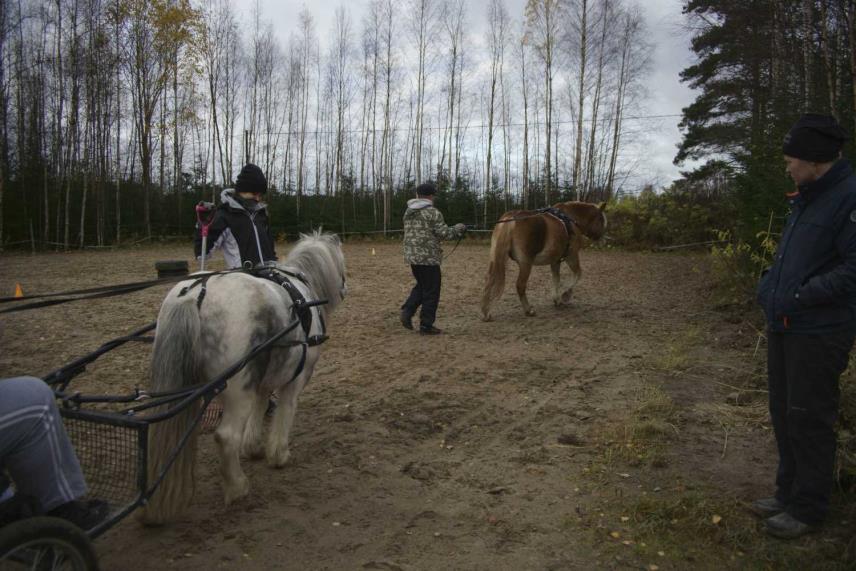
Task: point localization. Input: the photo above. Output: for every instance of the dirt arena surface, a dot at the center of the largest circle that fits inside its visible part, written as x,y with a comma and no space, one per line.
604,434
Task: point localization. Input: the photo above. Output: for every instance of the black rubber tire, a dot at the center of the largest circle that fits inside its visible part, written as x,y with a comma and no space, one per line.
171,265
25,542
169,268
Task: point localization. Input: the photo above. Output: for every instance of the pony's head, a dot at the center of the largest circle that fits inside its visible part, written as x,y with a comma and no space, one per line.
591,218
319,257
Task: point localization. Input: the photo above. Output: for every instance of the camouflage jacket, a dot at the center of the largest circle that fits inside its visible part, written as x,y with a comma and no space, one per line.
423,229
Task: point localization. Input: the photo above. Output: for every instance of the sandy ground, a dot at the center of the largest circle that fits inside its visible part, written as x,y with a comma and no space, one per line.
470,450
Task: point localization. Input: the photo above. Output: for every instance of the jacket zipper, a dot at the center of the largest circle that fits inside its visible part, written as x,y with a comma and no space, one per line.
256,232
785,320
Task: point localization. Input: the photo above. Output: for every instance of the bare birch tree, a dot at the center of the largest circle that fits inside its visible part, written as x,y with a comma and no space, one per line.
542,19
423,23
497,17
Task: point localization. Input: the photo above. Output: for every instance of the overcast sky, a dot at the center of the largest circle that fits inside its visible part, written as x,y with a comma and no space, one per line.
654,147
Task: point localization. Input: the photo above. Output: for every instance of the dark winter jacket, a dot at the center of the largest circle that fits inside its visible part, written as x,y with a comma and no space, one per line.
240,228
811,286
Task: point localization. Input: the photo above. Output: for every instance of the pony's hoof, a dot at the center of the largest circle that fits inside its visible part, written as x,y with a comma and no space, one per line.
254,452
145,517
530,313
487,318
279,459
240,490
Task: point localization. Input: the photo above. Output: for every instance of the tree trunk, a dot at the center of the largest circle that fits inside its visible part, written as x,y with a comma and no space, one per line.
807,43
524,89
581,94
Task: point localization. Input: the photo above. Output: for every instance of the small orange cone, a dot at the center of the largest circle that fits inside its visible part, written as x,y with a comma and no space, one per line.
18,291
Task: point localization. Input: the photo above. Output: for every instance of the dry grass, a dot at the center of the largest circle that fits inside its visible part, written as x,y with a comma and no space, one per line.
676,354
687,525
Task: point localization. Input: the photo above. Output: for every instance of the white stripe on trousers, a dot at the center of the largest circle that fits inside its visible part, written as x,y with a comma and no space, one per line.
40,413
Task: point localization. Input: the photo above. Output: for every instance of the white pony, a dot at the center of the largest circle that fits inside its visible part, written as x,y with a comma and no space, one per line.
197,340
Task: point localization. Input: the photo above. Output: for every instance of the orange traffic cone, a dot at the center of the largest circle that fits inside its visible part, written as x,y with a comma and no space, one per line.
18,291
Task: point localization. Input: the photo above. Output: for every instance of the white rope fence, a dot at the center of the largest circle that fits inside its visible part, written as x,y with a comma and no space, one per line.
397,231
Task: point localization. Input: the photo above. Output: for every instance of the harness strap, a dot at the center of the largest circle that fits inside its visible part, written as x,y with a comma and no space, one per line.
300,365
301,307
299,304
203,283
566,220
312,341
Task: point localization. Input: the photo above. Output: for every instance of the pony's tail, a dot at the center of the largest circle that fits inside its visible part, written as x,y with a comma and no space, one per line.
174,365
500,246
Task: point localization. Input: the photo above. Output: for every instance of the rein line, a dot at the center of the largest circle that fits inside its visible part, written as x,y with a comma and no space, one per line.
99,292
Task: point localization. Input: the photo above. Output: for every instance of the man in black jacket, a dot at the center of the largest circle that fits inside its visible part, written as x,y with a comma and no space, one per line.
240,225
809,300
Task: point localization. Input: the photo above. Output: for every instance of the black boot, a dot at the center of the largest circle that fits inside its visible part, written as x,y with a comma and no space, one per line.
85,514
766,507
786,526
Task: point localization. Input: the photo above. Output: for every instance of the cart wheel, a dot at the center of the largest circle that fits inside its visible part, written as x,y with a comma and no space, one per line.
42,543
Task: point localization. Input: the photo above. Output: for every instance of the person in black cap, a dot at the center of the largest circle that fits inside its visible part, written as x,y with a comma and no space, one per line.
424,228
240,225
809,301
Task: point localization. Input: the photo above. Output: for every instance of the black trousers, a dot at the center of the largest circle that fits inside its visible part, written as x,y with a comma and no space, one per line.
803,372
425,293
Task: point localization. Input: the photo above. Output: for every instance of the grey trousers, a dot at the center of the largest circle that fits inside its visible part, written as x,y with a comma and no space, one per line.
34,447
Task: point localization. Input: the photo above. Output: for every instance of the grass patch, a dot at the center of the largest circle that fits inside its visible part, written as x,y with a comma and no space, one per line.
643,437
685,525
676,353
708,532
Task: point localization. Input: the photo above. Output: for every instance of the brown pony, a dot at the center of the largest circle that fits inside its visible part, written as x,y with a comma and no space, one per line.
535,238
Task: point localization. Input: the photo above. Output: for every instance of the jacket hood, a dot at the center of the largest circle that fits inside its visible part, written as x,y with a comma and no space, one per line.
418,203
230,198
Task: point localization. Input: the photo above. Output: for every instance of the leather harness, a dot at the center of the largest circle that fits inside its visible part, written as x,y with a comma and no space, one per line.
300,306
566,220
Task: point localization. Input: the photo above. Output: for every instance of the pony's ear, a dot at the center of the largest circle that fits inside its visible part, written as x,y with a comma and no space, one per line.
601,206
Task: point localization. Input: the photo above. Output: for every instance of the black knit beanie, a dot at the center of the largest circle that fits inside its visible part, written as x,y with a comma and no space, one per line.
251,179
815,138
426,189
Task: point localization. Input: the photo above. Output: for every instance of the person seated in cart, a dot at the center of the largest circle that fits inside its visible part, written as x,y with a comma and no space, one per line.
37,455
239,226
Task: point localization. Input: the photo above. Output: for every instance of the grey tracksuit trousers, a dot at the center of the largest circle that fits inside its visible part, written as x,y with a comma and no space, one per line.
34,447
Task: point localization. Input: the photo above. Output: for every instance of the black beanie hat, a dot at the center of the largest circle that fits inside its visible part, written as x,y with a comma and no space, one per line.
251,179
426,189
816,138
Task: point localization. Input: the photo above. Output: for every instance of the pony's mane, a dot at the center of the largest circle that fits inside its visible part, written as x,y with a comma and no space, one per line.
318,256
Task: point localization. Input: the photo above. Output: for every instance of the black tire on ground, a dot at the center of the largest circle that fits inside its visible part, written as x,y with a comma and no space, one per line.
168,268
46,543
